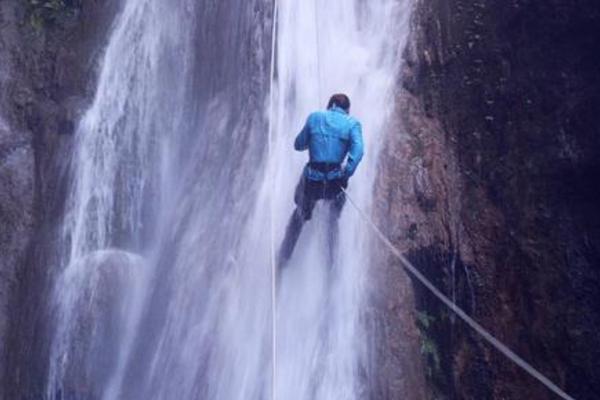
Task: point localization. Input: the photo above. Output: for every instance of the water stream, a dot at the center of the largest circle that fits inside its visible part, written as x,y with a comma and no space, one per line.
164,289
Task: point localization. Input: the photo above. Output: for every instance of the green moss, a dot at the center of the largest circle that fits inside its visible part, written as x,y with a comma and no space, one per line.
424,320
429,348
42,14
430,351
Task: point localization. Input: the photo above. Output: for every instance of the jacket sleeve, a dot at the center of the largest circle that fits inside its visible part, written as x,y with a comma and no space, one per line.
356,151
303,138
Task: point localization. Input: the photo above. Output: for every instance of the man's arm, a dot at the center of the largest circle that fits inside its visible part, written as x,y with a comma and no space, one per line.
303,138
356,151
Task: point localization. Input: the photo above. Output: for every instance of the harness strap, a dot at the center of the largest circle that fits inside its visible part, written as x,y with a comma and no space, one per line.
324,167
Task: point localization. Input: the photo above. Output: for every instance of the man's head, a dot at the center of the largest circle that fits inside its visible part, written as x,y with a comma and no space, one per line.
339,100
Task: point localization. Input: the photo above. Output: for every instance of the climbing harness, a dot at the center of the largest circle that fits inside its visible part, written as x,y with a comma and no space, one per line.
501,347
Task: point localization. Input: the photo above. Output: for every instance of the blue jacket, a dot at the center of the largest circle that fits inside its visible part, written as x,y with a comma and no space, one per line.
330,136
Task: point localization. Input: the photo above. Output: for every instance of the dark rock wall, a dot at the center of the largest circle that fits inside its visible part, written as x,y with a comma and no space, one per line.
16,184
48,61
492,188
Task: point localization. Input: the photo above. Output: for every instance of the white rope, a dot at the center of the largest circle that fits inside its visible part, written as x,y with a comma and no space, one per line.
271,210
502,348
318,45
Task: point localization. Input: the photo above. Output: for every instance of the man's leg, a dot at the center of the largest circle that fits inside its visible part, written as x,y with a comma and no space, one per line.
292,233
303,212
336,204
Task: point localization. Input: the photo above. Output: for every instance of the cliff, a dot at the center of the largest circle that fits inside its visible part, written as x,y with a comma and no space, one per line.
48,53
491,187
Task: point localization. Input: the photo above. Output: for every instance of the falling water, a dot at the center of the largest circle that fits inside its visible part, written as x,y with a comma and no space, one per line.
165,283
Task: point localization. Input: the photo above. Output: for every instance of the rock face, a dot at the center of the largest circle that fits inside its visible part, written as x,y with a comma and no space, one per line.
491,187
16,187
48,61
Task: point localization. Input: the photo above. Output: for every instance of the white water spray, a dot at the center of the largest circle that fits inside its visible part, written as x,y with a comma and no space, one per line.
325,48
171,168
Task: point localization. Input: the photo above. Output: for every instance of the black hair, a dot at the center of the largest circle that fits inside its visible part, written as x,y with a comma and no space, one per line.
339,100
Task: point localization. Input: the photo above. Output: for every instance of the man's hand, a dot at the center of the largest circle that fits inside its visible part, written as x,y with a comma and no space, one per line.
344,182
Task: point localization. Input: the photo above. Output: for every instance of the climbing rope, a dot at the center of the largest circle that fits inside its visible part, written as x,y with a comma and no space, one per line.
318,51
272,256
502,348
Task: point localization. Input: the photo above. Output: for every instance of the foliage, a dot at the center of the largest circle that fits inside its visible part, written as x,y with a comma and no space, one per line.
45,13
429,348
424,320
430,351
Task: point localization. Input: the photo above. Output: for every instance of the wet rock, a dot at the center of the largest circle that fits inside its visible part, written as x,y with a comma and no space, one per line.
16,191
96,293
16,215
46,72
497,102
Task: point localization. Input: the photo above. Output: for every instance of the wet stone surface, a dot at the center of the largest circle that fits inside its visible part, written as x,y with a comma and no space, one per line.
497,162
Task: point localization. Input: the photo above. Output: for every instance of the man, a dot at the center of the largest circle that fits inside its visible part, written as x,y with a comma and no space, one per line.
331,137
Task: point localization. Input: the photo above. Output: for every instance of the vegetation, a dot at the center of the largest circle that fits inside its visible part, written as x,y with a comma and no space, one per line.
429,348
45,13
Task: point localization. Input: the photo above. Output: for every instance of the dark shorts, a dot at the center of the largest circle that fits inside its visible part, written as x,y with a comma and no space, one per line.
308,192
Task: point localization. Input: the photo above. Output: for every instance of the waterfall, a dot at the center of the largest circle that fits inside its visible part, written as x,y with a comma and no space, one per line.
164,286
